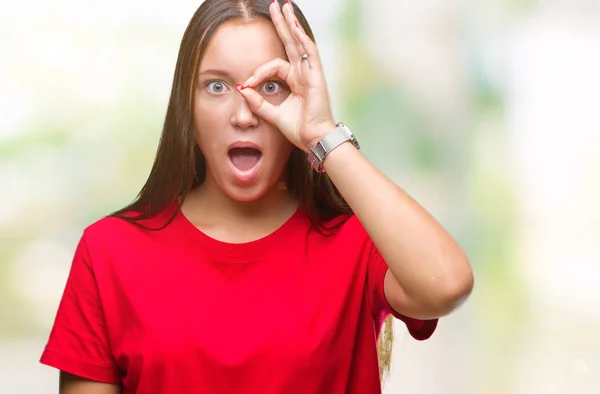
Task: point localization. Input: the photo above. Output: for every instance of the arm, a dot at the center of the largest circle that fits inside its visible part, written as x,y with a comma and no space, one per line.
71,384
429,275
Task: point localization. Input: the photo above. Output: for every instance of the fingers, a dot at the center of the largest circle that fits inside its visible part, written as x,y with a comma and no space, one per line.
292,48
259,105
276,67
307,45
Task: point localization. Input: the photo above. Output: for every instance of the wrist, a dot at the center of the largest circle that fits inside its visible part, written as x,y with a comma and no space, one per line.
329,142
318,134
340,154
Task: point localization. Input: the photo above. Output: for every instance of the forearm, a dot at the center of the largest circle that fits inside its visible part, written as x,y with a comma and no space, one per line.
425,260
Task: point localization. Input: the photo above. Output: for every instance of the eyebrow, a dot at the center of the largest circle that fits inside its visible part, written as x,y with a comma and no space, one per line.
220,73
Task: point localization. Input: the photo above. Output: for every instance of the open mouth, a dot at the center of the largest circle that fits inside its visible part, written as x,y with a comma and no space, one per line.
244,159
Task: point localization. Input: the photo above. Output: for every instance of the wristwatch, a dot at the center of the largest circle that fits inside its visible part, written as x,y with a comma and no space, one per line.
331,141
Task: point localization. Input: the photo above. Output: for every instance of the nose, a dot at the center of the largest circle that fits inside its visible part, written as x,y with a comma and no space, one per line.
242,117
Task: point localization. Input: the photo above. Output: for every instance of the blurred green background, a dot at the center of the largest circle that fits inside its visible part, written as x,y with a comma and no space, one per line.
487,112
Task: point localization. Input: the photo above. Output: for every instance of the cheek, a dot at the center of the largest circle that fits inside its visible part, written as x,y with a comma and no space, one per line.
282,146
211,110
207,114
277,99
208,119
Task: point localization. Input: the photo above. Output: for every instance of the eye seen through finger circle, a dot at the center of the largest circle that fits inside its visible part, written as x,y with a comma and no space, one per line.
272,87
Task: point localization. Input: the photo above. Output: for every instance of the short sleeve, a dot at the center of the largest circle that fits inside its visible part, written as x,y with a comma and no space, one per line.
377,268
78,342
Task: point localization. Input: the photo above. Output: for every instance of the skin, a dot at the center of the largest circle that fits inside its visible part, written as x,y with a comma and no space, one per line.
221,117
429,275
71,384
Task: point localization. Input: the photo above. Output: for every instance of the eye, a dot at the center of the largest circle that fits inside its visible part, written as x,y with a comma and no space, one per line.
216,87
272,87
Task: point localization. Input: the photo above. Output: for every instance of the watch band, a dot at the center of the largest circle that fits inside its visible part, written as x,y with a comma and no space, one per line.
331,141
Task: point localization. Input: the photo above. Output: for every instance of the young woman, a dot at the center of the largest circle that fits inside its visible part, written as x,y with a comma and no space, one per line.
264,252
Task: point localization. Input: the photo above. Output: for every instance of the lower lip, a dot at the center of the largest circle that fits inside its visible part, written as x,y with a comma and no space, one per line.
245,177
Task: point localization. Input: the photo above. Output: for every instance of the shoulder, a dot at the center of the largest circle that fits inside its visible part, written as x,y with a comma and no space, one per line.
112,233
114,248
110,228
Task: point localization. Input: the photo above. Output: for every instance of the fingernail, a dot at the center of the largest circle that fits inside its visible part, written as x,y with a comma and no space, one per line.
289,2
297,24
248,82
239,87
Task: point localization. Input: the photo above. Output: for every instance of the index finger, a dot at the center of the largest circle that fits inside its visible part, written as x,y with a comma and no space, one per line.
287,38
276,67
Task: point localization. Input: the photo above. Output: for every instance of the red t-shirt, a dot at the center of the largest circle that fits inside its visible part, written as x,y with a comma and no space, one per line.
175,311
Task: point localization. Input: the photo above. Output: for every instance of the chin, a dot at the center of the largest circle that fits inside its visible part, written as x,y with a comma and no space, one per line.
244,196
247,194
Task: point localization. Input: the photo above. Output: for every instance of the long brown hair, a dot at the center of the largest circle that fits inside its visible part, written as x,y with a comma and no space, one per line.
179,166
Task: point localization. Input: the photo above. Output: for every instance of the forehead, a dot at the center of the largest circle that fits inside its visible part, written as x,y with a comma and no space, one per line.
240,47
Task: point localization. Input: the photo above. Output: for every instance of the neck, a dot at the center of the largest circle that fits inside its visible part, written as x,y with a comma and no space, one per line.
210,203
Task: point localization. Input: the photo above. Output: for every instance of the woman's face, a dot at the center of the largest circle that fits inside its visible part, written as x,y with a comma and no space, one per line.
245,155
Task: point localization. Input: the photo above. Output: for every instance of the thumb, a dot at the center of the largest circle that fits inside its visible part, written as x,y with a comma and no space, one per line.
258,104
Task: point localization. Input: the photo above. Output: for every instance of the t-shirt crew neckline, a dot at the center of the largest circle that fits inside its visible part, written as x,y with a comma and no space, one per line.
238,252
